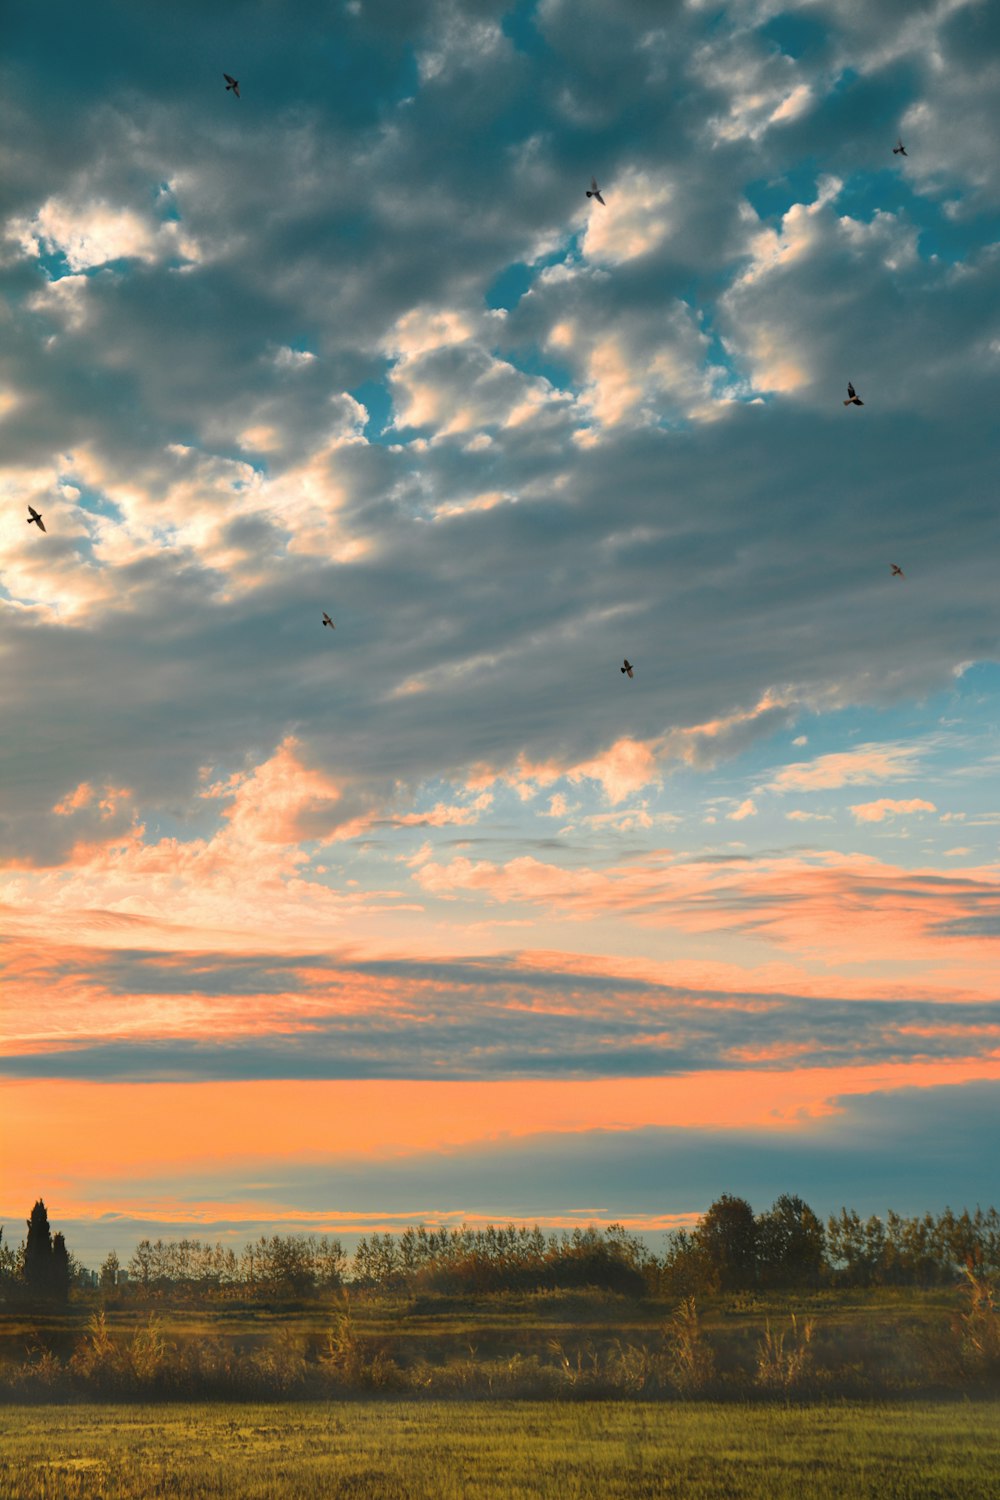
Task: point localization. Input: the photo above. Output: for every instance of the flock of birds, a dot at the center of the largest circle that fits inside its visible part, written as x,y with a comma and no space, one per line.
853,399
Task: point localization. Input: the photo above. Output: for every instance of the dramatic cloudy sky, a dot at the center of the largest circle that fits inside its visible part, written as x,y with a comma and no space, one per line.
437,915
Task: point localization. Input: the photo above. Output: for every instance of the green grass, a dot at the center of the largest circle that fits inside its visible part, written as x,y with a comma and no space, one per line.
450,1451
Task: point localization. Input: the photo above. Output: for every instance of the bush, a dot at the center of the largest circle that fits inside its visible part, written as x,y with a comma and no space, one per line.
690,1362
784,1364
979,1329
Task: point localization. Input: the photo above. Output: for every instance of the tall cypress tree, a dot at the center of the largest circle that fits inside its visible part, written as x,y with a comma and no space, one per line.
38,1252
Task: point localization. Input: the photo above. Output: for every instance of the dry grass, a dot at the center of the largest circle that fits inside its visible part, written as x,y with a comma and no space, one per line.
378,1450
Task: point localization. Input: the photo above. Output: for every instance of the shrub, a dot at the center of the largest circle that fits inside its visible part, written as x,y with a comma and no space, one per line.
780,1368
979,1329
690,1362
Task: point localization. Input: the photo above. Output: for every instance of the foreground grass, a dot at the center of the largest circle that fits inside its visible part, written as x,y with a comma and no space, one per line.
448,1451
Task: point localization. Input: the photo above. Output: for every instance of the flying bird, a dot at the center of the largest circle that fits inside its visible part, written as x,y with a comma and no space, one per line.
232,83
853,399
897,571
899,149
328,621
627,667
594,191
34,516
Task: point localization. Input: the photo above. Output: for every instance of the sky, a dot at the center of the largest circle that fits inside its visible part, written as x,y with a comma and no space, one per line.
437,916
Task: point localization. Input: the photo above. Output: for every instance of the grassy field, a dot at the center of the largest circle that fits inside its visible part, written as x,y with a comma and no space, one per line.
448,1451
868,1346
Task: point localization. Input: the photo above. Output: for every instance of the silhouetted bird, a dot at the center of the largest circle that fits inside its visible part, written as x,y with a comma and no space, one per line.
232,83
899,149
853,399
594,191
34,516
328,621
897,571
627,667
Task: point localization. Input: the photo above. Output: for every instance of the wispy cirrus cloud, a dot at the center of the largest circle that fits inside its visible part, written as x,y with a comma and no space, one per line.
863,766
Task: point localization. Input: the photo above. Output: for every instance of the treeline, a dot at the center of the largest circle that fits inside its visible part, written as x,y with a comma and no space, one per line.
274,1267
495,1259
730,1249
734,1249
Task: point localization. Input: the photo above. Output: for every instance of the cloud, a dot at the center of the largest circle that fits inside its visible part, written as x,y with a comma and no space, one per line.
886,807
364,346
90,234
746,809
807,903
639,221
862,766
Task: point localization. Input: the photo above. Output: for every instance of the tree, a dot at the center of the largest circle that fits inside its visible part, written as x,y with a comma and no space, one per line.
790,1243
728,1237
38,1252
110,1268
684,1271
11,1261
60,1271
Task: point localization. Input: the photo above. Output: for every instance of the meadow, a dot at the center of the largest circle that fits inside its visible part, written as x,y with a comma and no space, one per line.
879,1344
393,1450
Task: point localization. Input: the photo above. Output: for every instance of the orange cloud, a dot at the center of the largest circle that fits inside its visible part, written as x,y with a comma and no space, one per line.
850,907
280,801
877,812
864,765
73,801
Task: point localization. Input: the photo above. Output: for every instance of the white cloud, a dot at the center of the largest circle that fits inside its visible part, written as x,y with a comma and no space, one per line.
635,221
92,233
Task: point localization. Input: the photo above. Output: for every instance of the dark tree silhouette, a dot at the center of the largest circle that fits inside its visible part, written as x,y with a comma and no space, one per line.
38,1252
59,1270
727,1236
791,1243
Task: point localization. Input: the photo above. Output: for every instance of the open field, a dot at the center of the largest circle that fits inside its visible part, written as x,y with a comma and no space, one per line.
437,1450
576,1346
498,1323
827,1345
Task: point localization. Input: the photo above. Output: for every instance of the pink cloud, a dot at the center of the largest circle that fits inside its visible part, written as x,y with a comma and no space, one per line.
850,907
73,801
864,765
444,815
877,812
283,802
